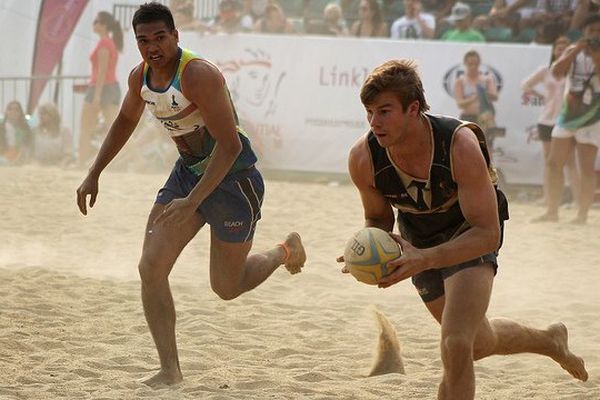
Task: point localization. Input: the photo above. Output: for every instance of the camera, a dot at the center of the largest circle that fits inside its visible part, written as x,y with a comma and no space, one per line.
593,43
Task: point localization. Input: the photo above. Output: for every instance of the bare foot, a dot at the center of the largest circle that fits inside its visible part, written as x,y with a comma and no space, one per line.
295,254
163,378
546,218
568,361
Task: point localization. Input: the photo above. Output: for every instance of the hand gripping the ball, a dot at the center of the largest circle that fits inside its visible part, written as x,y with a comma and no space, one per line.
411,262
368,253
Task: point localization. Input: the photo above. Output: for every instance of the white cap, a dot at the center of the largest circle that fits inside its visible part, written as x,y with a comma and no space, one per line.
459,12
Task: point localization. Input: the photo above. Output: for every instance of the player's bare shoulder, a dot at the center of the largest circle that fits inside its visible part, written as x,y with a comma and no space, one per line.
201,73
467,157
465,142
360,164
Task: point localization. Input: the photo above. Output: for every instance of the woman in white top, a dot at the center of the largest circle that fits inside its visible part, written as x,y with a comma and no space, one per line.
552,98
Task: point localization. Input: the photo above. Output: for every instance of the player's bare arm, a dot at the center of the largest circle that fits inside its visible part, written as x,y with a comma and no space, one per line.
378,211
204,86
478,203
118,134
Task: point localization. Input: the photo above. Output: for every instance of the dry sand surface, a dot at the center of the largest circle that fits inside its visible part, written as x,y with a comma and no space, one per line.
71,322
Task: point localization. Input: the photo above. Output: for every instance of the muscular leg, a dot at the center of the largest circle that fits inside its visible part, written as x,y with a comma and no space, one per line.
467,297
162,246
233,272
497,336
586,155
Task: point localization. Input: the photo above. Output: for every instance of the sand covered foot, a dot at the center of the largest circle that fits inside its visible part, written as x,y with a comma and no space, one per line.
162,378
295,254
570,362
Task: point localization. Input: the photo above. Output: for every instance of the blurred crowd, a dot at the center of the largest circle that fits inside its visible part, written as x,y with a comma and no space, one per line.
43,139
524,21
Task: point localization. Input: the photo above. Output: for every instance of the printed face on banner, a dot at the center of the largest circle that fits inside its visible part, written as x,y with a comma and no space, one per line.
255,85
254,82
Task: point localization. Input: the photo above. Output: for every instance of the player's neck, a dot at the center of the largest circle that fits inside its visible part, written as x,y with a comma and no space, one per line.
415,142
161,77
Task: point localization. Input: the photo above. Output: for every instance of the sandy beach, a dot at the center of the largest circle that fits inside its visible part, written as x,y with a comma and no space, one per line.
72,326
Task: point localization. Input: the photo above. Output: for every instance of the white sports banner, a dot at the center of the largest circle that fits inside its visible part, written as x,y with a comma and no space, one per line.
298,96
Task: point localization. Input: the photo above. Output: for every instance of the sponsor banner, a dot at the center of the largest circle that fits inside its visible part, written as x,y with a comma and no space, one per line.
56,23
298,97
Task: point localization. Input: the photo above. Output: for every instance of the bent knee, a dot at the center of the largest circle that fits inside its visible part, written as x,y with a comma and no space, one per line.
484,346
225,292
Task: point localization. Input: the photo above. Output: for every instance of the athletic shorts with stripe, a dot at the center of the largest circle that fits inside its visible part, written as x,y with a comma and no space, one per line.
232,209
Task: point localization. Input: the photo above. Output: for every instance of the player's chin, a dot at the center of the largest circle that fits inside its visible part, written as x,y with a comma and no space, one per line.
382,140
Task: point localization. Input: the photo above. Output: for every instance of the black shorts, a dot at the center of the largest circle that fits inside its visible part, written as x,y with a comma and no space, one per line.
111,94
430,283
545,132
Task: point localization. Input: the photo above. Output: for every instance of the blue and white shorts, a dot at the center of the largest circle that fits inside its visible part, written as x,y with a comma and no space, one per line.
232,209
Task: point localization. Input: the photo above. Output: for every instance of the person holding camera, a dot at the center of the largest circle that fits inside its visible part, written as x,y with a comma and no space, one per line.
578,123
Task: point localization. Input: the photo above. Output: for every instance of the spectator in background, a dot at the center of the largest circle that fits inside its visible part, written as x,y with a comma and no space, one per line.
515,11
252,11
103,95
415,24
370,22
229,19
552,97
335,24
583,10
553,12
52,142
463,31
183,13
439,8
475,92
274,21
578,122
15,135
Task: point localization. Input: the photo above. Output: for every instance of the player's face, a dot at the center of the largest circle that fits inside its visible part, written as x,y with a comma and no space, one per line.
388,119
157,43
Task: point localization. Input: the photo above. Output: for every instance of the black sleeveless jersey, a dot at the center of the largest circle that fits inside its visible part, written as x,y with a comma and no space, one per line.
428,212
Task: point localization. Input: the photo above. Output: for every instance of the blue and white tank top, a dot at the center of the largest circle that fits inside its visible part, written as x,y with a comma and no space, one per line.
184,124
